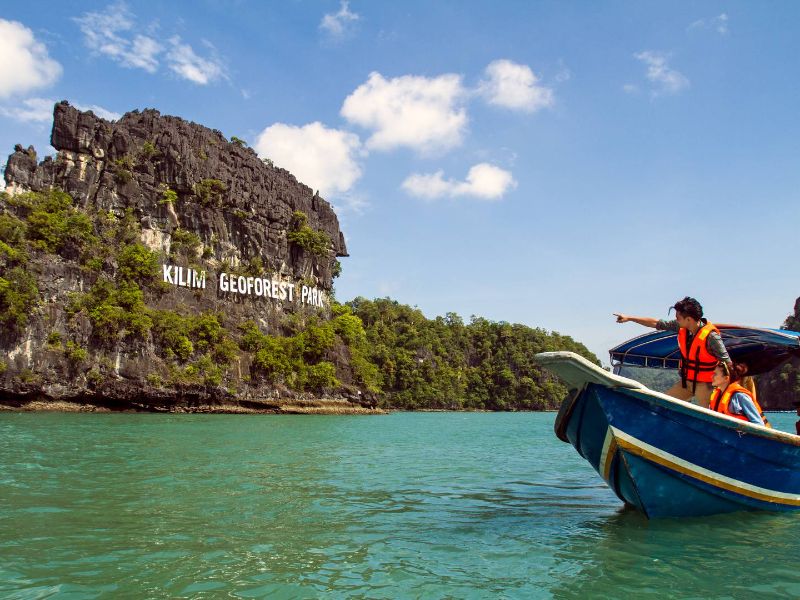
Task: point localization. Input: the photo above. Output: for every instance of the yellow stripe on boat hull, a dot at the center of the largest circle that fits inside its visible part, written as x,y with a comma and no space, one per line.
644,450
607,455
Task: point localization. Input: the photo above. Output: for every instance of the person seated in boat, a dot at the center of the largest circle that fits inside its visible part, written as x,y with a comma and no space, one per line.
700,344
733,399
749,384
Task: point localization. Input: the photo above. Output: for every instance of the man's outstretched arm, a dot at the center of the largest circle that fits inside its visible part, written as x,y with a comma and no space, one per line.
646,321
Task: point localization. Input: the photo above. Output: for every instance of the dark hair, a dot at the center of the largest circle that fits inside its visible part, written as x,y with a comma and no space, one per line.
735,372
689,307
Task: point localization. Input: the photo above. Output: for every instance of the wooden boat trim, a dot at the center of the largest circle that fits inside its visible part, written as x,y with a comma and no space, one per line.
607,455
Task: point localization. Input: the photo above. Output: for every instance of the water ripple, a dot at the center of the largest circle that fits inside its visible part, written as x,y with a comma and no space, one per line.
430,505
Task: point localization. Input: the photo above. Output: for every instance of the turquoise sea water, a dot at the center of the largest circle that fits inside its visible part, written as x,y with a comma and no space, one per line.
432,505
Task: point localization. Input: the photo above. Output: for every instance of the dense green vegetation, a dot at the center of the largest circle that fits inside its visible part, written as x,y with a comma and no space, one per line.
122,273
184,243
123,168
316,242
303,359
379,347
51,223
168,196
210,191
18,296
445,363
43,222
201,343
149,151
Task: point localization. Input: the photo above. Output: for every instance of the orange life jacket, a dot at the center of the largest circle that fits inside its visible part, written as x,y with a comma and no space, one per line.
697,363
720,402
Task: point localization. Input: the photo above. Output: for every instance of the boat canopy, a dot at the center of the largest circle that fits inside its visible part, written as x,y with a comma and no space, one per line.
760,349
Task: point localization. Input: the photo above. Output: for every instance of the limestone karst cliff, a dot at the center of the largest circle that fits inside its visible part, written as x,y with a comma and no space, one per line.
153,264
129,163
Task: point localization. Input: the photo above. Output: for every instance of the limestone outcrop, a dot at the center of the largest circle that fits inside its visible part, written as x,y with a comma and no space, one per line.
130,162
201,204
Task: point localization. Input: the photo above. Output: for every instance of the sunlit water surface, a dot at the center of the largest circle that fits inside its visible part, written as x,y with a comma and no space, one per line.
434,505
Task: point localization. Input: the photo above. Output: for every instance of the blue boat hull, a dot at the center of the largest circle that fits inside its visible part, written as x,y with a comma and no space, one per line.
668,458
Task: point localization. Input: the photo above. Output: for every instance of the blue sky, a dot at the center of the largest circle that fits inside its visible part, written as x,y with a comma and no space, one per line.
544,163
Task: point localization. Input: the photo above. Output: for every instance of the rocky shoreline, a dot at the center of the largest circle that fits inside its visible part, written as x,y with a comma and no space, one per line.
309,406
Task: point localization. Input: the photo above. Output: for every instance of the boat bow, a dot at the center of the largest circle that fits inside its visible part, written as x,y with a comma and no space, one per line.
667,457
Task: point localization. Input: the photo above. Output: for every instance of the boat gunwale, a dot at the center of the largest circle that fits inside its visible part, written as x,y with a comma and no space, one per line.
547,359
711,415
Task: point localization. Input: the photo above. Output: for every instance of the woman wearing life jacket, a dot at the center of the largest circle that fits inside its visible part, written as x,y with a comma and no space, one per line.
749,384
732,399
700,345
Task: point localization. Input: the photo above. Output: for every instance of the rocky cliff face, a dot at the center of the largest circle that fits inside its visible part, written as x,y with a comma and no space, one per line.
130,162
204,206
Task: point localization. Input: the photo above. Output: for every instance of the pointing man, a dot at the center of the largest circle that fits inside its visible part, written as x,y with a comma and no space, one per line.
700,344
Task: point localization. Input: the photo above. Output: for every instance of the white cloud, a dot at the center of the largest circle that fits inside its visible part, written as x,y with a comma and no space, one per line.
183,61
484,181
101,112
412,111
721,23
143,53
24,62
40,110
665,80
630,88
339,24
718,24
114,33
322,158
110,32
512,85
350,202
30,110
563,75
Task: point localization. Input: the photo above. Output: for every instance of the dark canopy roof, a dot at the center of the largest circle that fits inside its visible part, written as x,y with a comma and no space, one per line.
760,349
